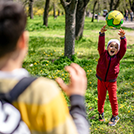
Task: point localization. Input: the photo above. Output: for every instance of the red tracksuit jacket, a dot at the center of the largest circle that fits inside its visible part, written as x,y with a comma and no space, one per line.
108,67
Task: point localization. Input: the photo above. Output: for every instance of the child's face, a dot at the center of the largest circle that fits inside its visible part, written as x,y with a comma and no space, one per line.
112,48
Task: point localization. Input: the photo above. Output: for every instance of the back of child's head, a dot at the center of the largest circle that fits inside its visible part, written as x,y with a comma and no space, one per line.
12,24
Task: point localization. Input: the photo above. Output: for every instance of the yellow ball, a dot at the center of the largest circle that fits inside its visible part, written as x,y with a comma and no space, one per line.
114,19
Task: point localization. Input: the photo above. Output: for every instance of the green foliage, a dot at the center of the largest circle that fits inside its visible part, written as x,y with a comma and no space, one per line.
37,24
46,58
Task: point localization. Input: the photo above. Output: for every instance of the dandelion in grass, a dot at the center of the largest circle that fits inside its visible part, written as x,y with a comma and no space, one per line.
46,64
35,63
31,65
128,111
55,77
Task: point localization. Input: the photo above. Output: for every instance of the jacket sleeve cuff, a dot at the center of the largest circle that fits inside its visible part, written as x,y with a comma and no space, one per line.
101,34
122,37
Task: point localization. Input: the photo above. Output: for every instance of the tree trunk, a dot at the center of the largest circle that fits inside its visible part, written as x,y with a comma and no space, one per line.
31,9
46,11
131,5
54,11
69,35
6,0
93,11
80,18
105,4
58,12
116,4
98,11
70,15
111,5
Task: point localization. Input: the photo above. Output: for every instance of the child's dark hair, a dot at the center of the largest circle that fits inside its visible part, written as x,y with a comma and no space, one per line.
12,24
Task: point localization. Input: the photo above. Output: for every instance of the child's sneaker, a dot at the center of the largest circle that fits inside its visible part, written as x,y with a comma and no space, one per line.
113,120
101,117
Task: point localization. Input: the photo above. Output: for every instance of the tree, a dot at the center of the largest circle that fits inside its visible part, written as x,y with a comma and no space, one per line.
70,15
46,11
114,4
7,0
131,2
54,10
105,4
31,9
94,10
80,18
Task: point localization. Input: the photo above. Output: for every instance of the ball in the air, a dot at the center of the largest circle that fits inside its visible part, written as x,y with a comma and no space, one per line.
114,19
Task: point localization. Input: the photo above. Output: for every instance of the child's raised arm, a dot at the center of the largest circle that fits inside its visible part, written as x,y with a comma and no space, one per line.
121,32
103,29
123,44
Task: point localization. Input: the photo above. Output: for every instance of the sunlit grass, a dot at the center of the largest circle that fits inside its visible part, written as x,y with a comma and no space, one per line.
45,58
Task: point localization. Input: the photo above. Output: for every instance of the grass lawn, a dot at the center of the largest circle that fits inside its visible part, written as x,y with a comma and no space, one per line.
45,58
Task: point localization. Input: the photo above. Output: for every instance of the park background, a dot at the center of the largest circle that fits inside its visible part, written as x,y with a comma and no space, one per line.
56,41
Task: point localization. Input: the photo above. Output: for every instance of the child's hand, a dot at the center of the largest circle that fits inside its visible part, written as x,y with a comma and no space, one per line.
103,29
121,33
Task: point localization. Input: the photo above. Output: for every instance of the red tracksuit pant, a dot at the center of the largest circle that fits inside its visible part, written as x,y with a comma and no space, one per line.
102,89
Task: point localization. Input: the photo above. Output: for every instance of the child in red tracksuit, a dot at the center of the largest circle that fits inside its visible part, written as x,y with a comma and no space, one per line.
107,72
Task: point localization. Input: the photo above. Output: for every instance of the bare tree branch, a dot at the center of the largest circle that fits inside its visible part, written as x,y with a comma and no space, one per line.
130,3
117,4
73,4
64,3
25,2
86,2
70,3
94,10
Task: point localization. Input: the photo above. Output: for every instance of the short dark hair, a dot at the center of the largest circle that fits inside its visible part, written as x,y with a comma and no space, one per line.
12,24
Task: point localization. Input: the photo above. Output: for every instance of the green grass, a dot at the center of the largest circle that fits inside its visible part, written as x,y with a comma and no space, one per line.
46,58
